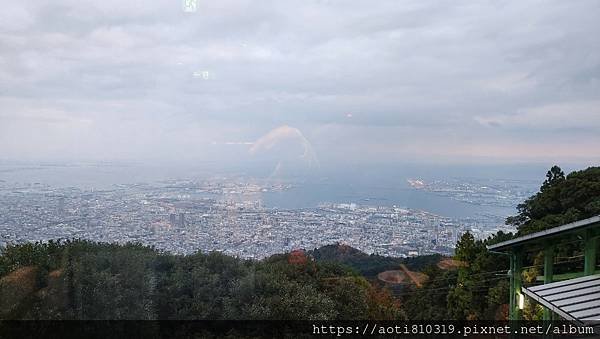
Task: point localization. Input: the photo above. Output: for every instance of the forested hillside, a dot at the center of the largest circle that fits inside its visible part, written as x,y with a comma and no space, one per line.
561,200
85,280
369,265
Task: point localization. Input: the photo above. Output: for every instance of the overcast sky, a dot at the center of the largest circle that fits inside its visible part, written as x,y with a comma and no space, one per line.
507,81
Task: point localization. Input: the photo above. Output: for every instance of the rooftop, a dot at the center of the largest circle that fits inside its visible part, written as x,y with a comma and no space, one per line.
575,299
547,234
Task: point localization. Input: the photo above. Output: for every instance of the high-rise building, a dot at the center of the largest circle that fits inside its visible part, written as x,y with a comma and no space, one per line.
61,206
172,219
181,219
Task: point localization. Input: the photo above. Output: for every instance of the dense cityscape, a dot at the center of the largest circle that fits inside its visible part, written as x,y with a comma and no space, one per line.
483,192
227,215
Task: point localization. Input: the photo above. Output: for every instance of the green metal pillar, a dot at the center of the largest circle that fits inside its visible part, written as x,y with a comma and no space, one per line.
548,272
512,292
591,244
518,281
516,264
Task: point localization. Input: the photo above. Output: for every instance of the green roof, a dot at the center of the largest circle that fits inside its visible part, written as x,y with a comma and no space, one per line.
559,231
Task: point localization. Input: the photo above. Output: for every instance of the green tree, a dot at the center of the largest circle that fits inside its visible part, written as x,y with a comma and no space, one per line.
483,272
431,301
467,248
86,280
561,200
554,176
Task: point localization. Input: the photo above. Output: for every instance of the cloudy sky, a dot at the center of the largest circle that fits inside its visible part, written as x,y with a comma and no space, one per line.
382,80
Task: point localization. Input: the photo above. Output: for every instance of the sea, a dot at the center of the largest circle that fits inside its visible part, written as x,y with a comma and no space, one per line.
372,185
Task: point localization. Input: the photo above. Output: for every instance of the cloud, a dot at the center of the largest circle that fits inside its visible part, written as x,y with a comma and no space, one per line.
567,115
284,134
409,73
510,82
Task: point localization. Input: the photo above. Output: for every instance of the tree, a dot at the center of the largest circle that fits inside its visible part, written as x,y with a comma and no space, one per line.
561,200
431,301
469,298
86,280
467,248
554,176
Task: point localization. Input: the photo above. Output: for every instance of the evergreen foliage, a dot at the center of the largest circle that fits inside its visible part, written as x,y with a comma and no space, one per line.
87,280
561,200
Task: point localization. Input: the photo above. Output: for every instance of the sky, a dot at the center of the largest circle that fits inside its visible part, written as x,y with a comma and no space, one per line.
323,81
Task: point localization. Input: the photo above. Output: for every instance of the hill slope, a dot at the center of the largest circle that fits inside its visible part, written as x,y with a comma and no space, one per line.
86,280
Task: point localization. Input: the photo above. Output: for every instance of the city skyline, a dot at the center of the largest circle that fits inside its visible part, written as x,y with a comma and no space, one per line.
235,217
